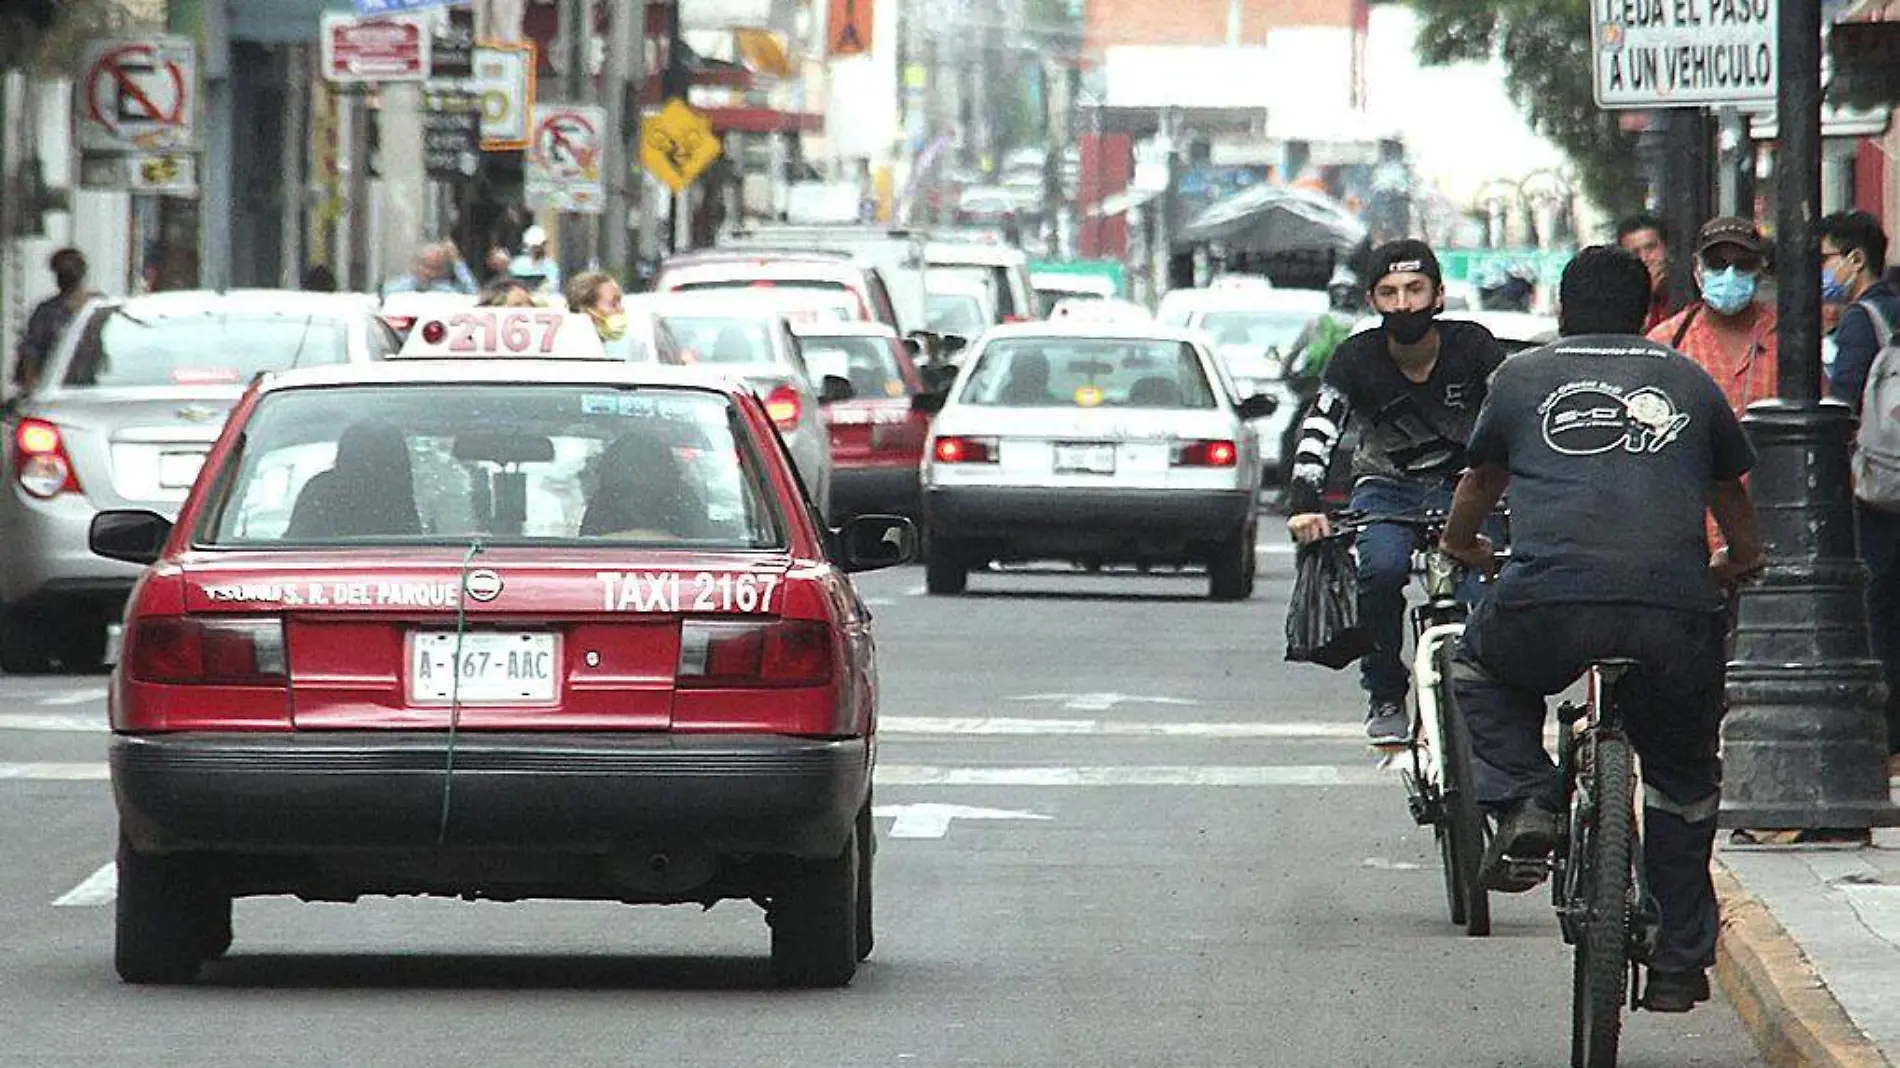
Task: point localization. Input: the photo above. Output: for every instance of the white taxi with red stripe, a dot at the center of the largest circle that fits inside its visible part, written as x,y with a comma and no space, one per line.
1094,442
495,628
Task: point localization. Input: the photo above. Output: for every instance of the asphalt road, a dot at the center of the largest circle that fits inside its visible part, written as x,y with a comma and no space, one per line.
1116,829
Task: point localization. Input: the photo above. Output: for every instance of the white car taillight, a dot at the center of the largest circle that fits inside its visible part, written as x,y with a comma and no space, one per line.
1206,454
40,461
784,407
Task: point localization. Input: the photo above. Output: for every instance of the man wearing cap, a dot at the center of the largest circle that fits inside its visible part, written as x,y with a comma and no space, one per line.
1412,387
1730,331
534,266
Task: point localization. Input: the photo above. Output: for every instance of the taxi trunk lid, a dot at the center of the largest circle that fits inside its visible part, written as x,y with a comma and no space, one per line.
547,640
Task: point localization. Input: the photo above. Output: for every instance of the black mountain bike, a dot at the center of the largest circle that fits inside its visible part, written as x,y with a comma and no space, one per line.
1439,787
1597,883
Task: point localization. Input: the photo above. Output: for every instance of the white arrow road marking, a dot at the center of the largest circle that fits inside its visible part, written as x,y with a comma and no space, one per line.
74,697
1130,775
933,821
100,888
53,721
1101,702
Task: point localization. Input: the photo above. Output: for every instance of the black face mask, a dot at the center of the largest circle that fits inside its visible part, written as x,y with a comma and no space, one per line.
1409,327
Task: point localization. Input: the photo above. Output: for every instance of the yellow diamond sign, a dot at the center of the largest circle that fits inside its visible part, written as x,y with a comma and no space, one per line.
677,145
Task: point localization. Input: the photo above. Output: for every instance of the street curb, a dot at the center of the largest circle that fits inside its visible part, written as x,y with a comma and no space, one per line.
1793,1018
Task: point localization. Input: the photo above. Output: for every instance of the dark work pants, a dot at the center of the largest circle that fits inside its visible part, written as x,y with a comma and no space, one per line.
1879,536
1384,554
1512,657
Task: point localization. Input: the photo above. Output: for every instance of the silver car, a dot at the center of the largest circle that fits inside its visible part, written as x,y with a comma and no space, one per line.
127,406
753,342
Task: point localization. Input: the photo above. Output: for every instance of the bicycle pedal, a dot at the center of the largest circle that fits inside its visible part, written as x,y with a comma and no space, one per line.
1527,869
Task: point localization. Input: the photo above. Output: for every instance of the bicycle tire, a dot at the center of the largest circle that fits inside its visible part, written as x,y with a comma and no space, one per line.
1465,828
1600,982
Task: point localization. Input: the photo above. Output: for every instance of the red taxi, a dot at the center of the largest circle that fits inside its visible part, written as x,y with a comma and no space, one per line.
877,436
496,628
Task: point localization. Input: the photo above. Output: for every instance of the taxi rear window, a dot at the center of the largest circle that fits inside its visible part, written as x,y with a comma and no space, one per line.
1088,373
719,339
117,349
508,463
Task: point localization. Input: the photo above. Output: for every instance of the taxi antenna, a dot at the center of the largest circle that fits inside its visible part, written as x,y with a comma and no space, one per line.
475,548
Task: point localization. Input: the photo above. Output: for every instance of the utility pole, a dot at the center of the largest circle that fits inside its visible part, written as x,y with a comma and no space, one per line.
1686,192
577,31
1804,743
620,160
676,84
1055,134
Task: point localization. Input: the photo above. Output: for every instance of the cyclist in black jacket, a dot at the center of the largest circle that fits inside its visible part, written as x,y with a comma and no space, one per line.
1412,388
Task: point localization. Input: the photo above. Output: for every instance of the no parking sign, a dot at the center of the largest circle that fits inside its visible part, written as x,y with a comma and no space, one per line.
563,164
137,96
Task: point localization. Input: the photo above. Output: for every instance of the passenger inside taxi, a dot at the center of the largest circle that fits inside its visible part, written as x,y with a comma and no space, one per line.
368,491
644,490
1028,383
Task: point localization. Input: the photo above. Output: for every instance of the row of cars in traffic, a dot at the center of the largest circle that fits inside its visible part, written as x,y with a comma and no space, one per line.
487,603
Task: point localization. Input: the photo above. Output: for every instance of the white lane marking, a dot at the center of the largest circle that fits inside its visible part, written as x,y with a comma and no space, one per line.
53,772
1011,726
100,888
54,721
878,602
1277,548
1101,702
916,591
1131,775
74,697
932,775
933,821
1382,864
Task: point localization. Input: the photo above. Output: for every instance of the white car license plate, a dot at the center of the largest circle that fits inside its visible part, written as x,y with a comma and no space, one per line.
496,668
1085,459
178,470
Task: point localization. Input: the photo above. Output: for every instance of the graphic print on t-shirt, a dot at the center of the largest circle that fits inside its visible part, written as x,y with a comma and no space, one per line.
1590,417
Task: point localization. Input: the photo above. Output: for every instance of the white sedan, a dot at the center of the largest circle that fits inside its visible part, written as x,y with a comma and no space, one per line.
1096,443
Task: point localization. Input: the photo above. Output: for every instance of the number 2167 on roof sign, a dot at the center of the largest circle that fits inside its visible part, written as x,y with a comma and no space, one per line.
1684,53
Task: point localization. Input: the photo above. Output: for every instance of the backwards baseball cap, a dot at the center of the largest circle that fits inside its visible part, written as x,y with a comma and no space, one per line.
1408,254
1730,230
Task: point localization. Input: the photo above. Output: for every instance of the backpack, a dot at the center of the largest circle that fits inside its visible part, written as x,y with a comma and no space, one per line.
1876,462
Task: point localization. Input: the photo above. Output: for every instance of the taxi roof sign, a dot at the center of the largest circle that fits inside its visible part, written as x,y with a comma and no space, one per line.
505,333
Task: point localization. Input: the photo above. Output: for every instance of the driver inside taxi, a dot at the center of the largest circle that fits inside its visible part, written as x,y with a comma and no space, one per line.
643,491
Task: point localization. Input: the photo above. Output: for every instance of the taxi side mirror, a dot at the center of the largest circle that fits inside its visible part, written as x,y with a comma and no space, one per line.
132,535
835,388
1259,406
871,542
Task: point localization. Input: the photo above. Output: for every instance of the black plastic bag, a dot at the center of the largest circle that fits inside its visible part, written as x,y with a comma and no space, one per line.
1322,621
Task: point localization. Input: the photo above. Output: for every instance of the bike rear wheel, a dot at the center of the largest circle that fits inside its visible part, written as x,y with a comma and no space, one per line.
1461,842
1600,982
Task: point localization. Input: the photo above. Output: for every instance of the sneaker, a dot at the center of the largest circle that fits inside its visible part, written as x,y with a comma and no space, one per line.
1674,991
1387,724
1512,859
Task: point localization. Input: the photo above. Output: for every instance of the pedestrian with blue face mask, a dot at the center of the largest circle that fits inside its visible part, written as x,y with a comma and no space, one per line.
1730,331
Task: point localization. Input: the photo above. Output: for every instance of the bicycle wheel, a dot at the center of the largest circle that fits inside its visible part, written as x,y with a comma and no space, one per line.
1601,979
1462,845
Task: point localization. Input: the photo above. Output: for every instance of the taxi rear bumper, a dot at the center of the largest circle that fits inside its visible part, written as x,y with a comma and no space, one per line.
1112,523
347,792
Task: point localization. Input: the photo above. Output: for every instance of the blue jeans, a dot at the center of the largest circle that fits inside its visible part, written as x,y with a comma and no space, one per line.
1385,567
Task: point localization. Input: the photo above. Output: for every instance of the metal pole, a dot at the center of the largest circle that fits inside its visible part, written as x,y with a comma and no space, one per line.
576,32
1804,742
1686,194
625,71
216,192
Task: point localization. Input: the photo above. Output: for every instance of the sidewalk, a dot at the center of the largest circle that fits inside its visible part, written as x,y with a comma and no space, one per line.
1810,951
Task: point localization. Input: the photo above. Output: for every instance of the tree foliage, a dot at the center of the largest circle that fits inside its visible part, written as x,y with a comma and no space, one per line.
53,50
1545,47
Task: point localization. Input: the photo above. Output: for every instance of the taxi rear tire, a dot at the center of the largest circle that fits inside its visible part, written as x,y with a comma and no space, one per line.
945,572
1230,571
814,920
163,919
867,853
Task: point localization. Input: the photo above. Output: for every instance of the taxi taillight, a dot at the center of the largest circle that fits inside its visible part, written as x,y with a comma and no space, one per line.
40,462
743,655
1206,454
784,407
184,650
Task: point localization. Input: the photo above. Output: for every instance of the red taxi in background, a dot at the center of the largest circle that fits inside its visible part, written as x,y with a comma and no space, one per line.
877,437
504,628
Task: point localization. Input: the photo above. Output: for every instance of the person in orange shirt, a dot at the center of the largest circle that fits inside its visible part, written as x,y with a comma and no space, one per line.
1730,331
